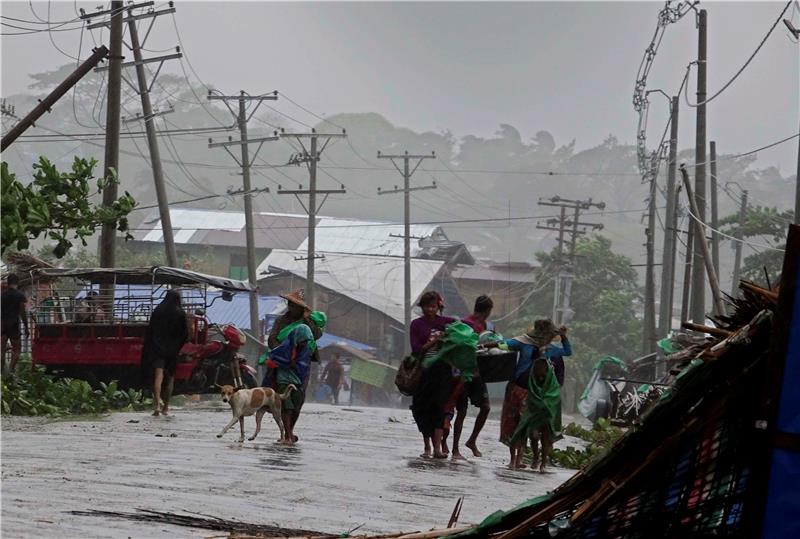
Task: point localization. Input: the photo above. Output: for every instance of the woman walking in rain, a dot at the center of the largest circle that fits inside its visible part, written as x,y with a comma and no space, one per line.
166,333
429,401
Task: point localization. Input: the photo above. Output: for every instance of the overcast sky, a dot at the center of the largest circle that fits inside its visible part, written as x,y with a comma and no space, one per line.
567,67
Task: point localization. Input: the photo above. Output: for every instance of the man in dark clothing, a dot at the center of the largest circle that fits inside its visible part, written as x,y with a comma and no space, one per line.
333,377
12,310
475,391
166,334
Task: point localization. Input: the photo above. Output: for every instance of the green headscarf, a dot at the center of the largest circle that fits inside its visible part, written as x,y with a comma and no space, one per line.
459,345
542,407
319,318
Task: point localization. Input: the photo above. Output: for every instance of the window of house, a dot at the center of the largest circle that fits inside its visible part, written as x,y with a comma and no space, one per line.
238,267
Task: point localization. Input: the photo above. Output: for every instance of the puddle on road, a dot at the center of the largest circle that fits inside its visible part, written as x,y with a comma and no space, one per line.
349,468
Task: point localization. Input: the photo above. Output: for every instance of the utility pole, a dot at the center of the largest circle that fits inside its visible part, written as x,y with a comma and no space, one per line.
147,115
671,220
44,105
407,172
719,305
737,261
714,211
565,272
310,158
698,279
242,117
687,274
108,233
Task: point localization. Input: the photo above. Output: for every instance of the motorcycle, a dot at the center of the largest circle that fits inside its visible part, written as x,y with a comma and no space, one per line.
217,362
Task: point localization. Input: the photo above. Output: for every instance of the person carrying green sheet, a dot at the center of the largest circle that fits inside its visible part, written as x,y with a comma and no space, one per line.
541,420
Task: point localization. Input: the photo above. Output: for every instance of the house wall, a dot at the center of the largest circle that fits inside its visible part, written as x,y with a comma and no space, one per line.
347,317
212,259
506,297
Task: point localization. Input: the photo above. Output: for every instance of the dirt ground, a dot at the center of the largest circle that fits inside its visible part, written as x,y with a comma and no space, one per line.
353,466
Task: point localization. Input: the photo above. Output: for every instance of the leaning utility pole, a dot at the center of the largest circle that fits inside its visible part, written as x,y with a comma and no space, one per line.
698,279
44,105
310,157
147,115
245,163
108,233
737,261
406,190
668,253
565,272
714,212
719,305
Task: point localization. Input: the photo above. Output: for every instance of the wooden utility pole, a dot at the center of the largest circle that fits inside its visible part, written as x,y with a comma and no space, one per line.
699,235
737,261
144,89
698,279
108,233
242,117
670,234
714,212
565,272
45,104
310,157
406,172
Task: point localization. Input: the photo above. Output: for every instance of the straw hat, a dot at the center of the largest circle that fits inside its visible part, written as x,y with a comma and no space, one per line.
540,333
298,297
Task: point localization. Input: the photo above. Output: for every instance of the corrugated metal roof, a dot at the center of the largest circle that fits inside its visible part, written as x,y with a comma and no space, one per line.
287,231
496,273
376,281
334,235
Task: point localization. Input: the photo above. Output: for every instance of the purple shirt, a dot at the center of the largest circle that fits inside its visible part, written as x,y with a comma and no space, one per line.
421,328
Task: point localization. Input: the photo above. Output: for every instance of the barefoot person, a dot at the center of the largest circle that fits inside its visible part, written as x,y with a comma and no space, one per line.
528,347
474,391
429,401
541,420
12,311
166,333
293,346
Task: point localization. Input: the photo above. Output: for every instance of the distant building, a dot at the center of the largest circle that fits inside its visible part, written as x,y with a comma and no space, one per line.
221,236
509,285
362,295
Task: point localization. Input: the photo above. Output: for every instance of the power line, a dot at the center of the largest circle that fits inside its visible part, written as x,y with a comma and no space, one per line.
736,75
440,222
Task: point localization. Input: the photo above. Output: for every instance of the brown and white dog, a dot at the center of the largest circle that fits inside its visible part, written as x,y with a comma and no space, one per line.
259,401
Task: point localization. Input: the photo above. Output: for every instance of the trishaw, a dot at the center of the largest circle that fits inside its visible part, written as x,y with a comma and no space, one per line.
90,323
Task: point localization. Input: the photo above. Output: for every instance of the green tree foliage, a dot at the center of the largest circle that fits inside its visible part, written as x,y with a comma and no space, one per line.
56,204
766,225
604,293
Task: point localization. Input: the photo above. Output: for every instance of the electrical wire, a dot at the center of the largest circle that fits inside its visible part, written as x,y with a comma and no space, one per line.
736,75
751,243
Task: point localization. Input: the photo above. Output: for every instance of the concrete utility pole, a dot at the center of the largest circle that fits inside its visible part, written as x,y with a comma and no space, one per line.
44,105
310,158
562,312
686,304
147,115
242,117
737,261
406,190
670,234
714,212
699,235
698,279
108,233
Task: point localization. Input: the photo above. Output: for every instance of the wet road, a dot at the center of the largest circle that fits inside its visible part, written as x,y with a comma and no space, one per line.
353,466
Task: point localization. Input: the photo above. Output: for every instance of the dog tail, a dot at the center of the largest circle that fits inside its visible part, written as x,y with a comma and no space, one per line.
285,394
